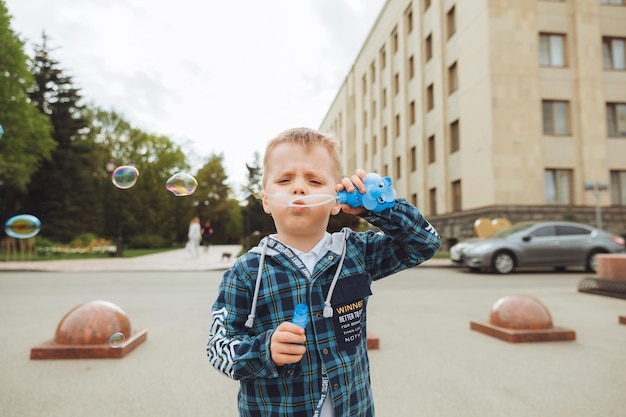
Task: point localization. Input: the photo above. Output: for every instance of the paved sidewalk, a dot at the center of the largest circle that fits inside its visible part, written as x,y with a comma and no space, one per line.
174,260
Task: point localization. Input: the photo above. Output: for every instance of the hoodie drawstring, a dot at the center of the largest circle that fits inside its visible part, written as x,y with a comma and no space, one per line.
328,308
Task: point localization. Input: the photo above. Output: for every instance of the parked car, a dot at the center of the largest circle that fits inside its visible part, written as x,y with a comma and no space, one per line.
554,243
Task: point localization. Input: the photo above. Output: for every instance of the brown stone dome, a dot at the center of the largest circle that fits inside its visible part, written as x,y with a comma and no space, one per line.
92,323
520,312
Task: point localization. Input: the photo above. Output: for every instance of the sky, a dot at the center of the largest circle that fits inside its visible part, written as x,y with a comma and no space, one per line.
217,77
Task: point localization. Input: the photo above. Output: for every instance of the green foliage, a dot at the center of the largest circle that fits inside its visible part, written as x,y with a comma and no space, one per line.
27,138
62,194
84,239
149,241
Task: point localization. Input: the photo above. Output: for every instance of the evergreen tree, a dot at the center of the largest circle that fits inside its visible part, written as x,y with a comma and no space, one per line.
64,191
27,138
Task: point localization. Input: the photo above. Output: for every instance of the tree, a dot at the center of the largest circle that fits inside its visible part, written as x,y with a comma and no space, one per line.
63,193
27,138
151,216
258,223
213,200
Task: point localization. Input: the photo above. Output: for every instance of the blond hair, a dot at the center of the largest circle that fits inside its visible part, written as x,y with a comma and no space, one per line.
307,138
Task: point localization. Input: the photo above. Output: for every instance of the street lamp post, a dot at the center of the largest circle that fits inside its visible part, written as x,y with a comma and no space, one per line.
596,187
119,248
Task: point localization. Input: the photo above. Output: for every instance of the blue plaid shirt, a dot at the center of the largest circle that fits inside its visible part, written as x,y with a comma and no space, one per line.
337,344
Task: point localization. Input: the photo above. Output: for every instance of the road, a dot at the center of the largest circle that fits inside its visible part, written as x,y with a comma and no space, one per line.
429,363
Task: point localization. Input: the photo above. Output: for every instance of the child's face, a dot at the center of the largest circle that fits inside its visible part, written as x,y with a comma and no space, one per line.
293,171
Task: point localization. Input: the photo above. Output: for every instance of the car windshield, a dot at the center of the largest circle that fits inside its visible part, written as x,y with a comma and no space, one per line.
512,229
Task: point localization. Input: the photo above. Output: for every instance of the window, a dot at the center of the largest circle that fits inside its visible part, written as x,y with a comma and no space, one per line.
397,126
451,21
430,97
433,201
453,81
364,119
411,67
413,159
613,53
618,188
613,2
386,170
551,50
568,230
555,117
558,186
428,47
426,4
414,199
398,167
408,19
373,72
456,195
373,109
385,136
364,84
384,98
365,151
396,84
455,143
616,119
383,58
394,40
374,145
412,112
431,149
544,231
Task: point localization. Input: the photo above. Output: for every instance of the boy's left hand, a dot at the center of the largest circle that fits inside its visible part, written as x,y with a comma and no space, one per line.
355,182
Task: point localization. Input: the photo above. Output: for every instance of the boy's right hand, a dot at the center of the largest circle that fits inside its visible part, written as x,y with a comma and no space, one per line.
287,344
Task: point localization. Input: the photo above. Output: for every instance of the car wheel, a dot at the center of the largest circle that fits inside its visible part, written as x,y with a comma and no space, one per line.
591,265
503,262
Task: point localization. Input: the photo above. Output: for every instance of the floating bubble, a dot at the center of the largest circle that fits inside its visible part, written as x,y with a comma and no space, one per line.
22,226
311,200
181,184
124,176
1,131
117,340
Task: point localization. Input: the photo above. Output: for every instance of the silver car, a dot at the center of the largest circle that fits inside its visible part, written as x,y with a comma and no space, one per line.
528,244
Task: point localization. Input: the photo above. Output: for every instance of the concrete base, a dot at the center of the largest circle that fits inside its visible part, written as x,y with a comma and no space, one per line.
54,350
520,336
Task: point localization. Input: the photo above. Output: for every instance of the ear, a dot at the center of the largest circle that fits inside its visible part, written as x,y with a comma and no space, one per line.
266,206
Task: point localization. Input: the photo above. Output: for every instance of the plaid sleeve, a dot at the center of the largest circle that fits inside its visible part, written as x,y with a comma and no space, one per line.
231,349
407,239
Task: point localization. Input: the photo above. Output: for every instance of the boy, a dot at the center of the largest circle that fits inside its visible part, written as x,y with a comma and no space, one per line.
324,371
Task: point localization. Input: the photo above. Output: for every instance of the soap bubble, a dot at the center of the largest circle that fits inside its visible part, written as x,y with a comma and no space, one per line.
22,226
1,131
181,184
117,340
310,200
124,176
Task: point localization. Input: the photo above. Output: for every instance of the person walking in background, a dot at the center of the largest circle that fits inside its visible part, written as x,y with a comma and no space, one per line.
194,236
207,231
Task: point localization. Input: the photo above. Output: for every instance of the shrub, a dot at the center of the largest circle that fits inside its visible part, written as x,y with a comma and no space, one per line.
148,241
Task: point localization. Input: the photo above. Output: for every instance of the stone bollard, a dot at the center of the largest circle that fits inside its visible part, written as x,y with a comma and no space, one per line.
521,318
96,329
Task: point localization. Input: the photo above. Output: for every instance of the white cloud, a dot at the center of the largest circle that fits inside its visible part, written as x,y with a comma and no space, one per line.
222,77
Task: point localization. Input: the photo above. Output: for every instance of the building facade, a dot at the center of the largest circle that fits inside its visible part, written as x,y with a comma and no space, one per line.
492,108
